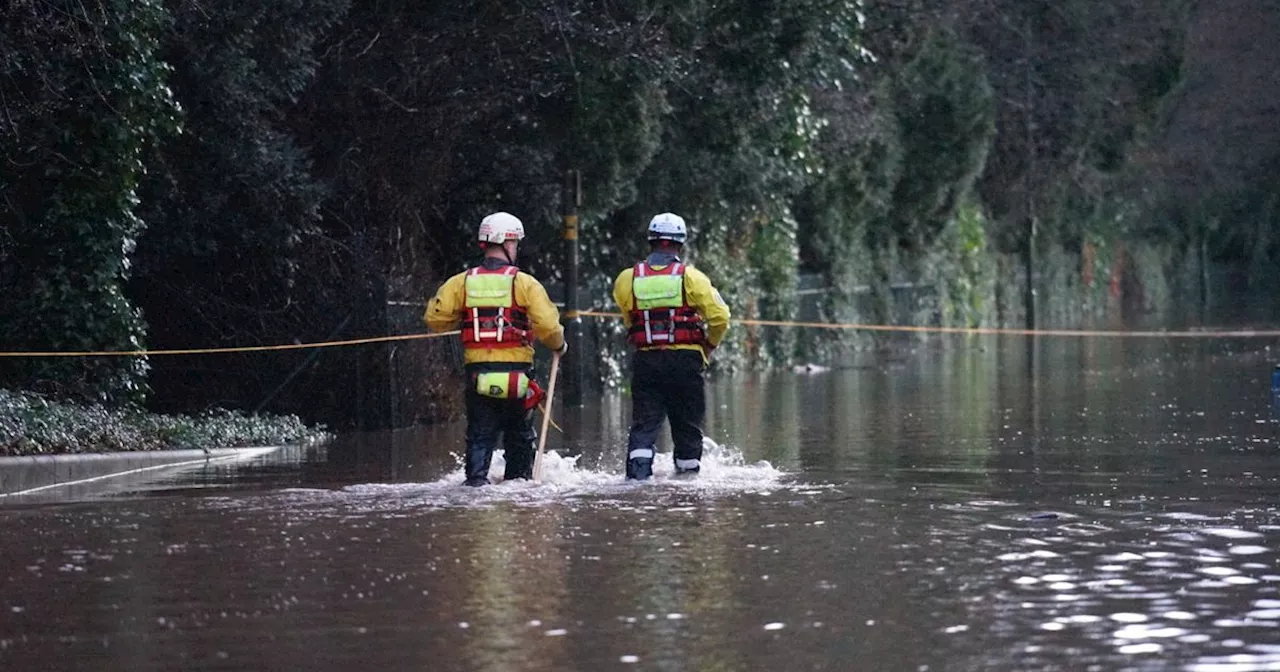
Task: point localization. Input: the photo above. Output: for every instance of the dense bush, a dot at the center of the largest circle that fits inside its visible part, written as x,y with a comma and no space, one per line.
31,424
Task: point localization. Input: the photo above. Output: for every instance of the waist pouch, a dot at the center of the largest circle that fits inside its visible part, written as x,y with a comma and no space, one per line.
503,384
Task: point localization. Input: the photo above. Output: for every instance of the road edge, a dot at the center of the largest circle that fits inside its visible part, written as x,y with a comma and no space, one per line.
24,475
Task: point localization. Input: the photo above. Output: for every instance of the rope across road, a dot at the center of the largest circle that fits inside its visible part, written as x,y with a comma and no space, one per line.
996,331
243,348
837,326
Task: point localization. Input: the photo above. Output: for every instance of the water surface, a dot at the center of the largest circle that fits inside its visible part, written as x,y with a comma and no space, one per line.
1080,505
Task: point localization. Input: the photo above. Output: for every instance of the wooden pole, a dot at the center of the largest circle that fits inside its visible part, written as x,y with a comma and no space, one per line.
546,419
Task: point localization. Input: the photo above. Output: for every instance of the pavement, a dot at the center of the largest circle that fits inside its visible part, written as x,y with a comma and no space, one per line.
40,473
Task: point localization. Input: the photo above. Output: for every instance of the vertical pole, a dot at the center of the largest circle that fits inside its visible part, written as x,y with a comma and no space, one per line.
393,403
572,319
393,394
1029,109
1029,292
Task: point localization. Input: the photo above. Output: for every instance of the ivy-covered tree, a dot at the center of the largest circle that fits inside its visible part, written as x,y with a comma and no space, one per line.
901,150
946,120
739,145
85,96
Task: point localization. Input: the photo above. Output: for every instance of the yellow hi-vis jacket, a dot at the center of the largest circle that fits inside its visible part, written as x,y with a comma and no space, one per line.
446,310
699,294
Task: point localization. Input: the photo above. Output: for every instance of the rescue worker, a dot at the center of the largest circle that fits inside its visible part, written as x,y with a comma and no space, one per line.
500,311
674,318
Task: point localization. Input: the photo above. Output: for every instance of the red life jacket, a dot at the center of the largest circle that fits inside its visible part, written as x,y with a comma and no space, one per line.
492,318
660,313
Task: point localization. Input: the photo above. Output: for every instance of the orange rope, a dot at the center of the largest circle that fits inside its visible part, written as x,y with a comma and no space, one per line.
247,348
980,331
990,331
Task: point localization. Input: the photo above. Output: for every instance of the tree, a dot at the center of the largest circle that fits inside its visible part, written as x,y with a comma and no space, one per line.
85,95
232,204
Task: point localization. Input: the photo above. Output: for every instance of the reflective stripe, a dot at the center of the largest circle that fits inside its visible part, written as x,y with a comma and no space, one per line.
640,454
475,314
688,464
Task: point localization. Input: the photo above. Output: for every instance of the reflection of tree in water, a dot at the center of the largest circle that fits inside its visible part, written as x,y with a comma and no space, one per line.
666,570
511,571
758,414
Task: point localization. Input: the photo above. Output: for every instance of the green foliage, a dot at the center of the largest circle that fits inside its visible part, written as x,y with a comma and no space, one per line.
964,269
899,178
1076,83
85,96
31,424
739,144
845,213
945,110
235,188
233,208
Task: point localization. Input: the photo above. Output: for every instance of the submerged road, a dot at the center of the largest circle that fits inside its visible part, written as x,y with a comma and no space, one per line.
1082,505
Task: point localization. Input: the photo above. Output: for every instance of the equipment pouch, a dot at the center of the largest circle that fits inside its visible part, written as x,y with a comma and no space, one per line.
503,384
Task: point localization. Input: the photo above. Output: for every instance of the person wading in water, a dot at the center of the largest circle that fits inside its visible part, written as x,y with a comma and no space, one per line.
500,311
674,318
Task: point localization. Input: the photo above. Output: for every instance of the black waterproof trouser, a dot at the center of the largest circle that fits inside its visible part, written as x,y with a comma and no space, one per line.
487,419
666,384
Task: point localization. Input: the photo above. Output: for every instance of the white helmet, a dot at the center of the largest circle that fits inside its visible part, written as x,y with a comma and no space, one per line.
501,227
668,226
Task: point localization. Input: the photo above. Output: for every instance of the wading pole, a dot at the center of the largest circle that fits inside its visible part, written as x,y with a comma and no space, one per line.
546,418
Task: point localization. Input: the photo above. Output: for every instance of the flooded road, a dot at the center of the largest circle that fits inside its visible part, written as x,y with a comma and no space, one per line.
1101,505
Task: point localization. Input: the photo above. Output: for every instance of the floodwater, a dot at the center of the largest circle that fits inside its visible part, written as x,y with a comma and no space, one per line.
1076,505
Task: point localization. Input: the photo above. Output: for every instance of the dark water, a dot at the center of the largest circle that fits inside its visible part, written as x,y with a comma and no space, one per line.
1099,505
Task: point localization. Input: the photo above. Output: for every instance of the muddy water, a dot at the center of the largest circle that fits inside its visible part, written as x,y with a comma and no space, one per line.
1079,505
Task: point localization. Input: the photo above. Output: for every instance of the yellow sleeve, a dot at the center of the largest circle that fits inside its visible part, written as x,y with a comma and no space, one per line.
543,315
705,299
444,310
622,295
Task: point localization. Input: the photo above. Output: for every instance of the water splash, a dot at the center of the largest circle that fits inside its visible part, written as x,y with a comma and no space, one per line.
722,466
725,471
